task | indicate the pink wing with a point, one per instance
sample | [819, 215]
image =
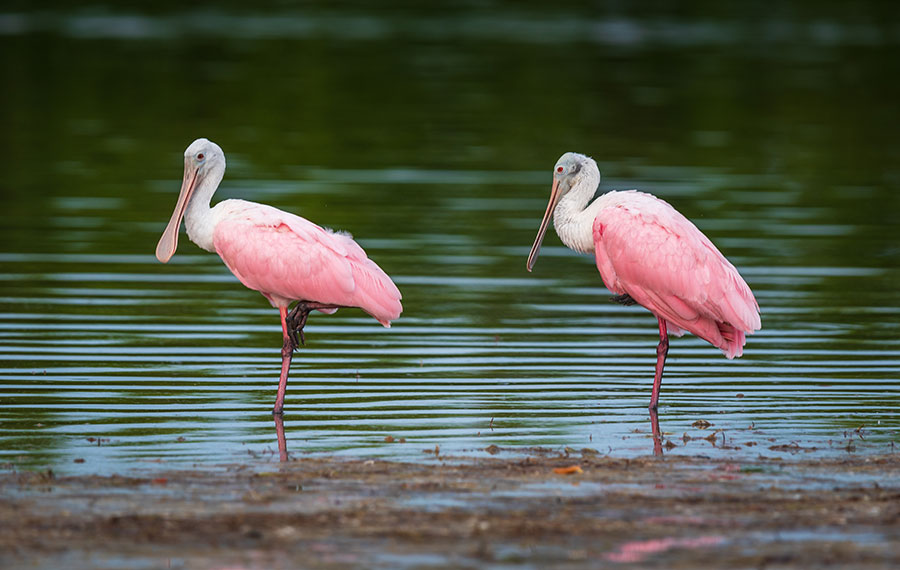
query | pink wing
[645, 248]
[288, 258]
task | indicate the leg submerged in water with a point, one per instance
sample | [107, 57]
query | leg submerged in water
[657, 435]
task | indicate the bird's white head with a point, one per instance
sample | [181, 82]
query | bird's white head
[203, 152]
[571, 170]
[204, 166]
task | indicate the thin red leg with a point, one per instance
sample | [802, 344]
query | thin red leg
[282, 440]
[662, 349]
[292, 329]
[657, 435]
[287, 352]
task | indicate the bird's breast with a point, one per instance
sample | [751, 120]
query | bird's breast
[201, 224]
[575, 228]
[200, 228]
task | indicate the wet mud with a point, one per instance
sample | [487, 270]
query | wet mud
[535, 509]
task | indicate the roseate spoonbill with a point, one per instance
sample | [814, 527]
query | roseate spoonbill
[283, 256]
[651, 255]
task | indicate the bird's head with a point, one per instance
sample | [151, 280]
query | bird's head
[202, 155]
[569, 171]
[204, 165]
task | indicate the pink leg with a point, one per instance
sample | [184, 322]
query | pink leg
[282, 440]
[662, 349]
[292, 329]
[287, 352]
[657, 435]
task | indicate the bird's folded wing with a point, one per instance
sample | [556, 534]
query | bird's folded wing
[665, 263]
[281, 254]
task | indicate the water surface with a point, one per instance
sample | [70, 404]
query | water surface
[430, 136]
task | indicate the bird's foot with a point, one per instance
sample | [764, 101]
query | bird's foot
[623, 299]
[296, 320]
[296, 339]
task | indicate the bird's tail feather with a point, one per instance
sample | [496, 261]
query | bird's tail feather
[733, 340]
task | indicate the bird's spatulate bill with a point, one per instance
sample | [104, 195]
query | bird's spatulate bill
[168, 243]
[536, 248]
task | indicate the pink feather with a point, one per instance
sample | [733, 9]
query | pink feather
[647, 249]
[286, 258]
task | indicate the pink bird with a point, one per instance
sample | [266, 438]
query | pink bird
[283, 256]
[649, 254]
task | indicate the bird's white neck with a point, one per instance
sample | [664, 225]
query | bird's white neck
[574, 215]
[199, 220]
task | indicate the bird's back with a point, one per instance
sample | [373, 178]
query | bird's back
[288, 258]
[646, 248]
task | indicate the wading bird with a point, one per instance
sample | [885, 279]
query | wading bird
[651, 255]
[283, 256]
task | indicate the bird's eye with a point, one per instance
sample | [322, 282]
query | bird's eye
[200, 156]
[559, 169]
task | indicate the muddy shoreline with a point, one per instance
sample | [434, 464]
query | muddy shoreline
[533, 511]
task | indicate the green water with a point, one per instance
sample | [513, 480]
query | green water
[430, 135]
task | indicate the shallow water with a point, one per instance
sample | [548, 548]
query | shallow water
[431, 139]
